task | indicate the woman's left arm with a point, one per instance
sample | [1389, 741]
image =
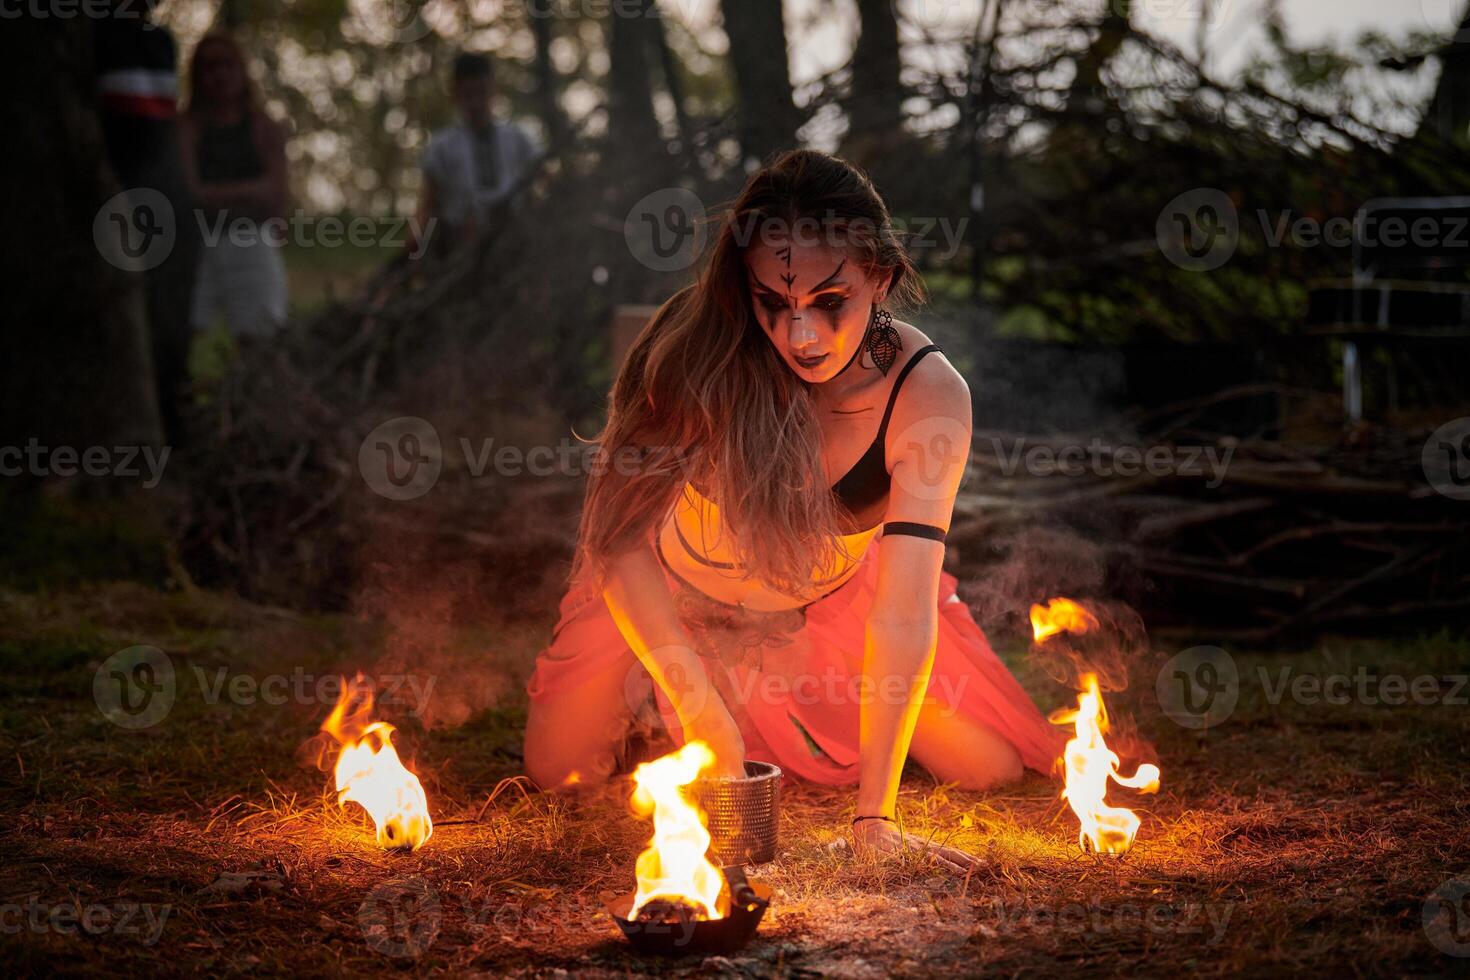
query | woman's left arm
[928, 445]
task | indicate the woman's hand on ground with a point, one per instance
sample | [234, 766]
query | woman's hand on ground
[884, 837]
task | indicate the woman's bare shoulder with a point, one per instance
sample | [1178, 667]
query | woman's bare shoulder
[934, 385]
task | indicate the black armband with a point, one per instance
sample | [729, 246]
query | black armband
[916, 530]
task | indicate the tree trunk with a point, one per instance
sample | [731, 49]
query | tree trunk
[1448, 115]
[77, 369]
[548, 91]
[1088, 92]
[875, 106]
[633, 127]
[669, 65]
[767, 117]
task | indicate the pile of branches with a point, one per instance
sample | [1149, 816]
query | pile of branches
[474, 343]
[1274, 536]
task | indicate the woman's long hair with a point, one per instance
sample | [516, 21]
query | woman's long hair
[704, 397]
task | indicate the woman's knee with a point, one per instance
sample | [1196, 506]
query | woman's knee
[556, 769]
[957, 749]
[572, 743]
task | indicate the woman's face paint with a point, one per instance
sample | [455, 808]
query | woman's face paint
[814, 302]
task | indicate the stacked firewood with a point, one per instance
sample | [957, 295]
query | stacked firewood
[1255, 538]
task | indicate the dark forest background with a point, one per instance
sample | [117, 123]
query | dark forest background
[1054, 133]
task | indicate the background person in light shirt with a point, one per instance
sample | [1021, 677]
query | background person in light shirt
[473, 169]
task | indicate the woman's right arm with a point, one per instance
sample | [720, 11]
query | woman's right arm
[637, 595]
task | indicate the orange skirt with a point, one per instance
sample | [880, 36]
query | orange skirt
[792, 679]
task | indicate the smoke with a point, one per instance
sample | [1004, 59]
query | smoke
[1033, 564]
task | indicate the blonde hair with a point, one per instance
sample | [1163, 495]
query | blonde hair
[704, 387]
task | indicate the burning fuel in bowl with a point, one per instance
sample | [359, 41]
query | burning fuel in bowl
[685, 904]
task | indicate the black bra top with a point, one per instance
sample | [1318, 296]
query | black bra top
[863, 490]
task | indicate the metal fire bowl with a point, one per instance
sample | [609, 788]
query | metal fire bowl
[711, 937]
[743, 814]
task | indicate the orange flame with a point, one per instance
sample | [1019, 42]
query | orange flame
[1058, 616]
[674, 866]
[370, 773]
[1089, 764]
[1087, 761]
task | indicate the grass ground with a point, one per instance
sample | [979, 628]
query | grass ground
[1296, 836]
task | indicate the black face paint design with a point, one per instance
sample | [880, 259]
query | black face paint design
[789, 279]
[831, 304]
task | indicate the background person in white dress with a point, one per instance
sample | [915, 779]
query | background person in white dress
[235, 161]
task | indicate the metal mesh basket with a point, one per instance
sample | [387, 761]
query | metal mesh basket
[743, 814]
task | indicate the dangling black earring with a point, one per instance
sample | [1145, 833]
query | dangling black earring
[883, 343]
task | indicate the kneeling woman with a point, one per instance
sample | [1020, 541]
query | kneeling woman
[761, 554]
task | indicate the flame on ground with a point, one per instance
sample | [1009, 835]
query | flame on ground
[1087, 761]
[674, 866]
[369, 772]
